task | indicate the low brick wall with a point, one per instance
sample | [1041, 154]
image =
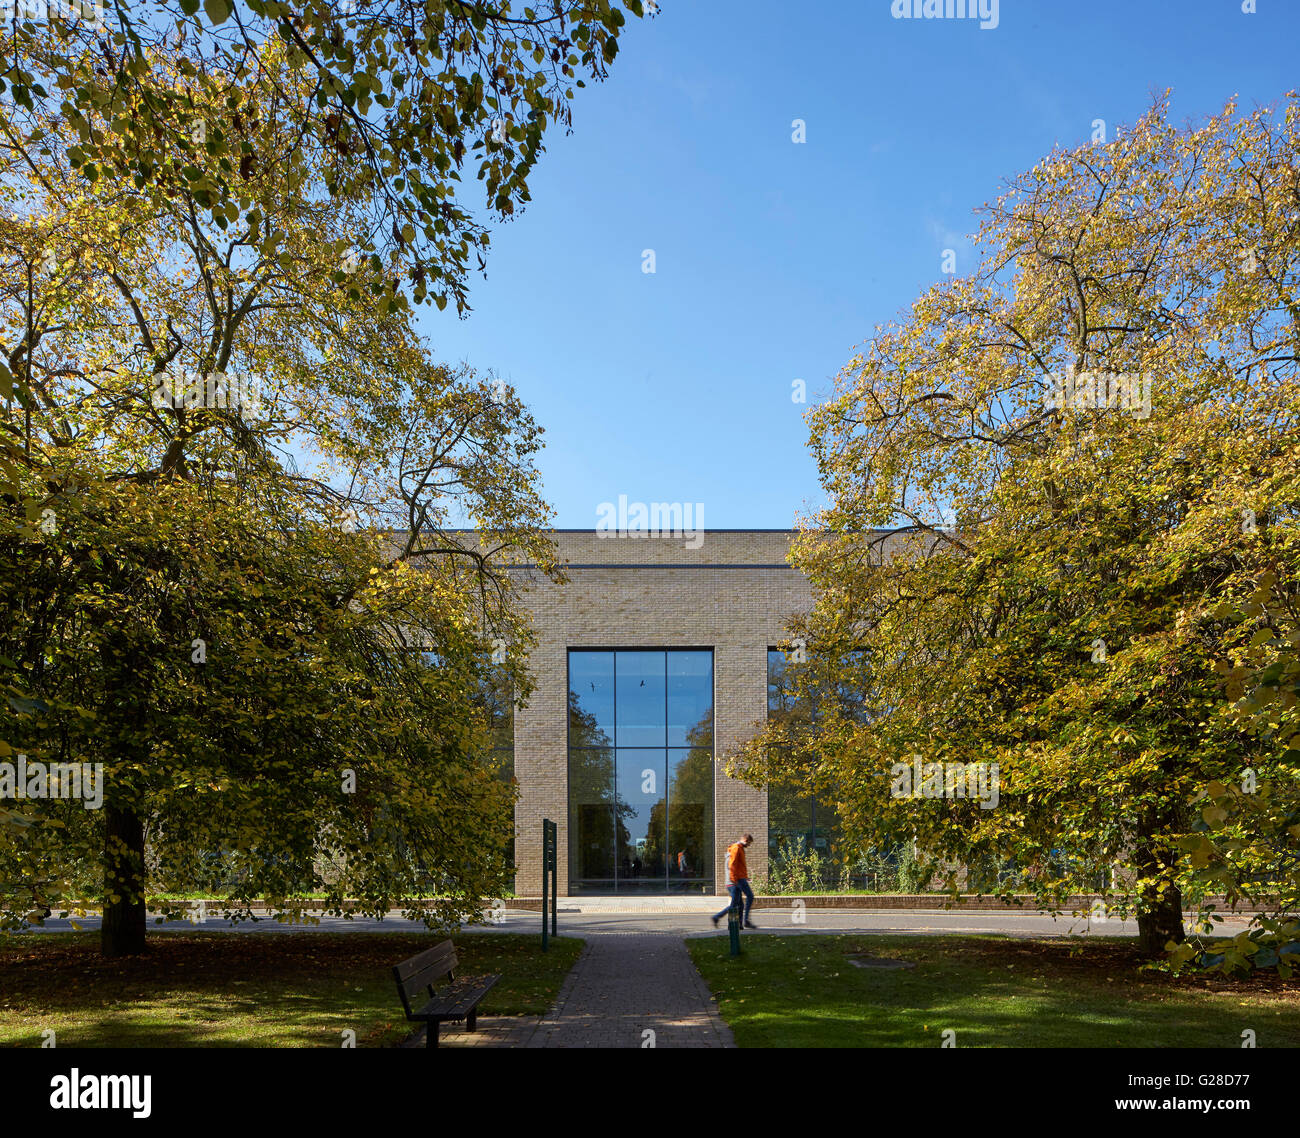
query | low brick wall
[968, 902]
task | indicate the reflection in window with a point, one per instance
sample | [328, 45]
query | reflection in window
[641, 770]
[795, 821]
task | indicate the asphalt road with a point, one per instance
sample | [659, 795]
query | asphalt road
[909, 922]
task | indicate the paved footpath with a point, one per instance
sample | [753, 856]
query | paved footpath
[633, 991]
[624, 991]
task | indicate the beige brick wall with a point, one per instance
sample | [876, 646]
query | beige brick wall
[733, 594]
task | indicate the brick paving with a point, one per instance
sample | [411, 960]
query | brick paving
[625, 990]
[624, 987]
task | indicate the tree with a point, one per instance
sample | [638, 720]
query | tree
[1246, 841]
[387, 101]
[1050, 605]
[683, 815]
[226, 631]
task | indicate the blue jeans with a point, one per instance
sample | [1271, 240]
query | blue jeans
[736, 890]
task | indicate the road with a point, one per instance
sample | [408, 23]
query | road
[696, 923]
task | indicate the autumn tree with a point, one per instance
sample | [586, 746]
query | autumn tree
[399, 99]
[1044, 485]
[237, 480]
[1245, 839]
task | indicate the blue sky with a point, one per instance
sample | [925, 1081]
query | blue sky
[775, 260]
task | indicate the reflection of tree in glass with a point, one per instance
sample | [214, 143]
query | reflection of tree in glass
[798, 699]
[496, 697]
[591, 790]
[584, 730]
[798, 695]
[690, 792]
[791, 693]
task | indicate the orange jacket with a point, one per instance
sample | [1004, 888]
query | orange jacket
[736, 868]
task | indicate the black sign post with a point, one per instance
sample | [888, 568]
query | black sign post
[550, 873]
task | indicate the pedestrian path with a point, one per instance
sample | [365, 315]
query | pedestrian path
[624, 991]
[633, 992]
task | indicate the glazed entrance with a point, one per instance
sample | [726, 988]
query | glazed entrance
[641, 770]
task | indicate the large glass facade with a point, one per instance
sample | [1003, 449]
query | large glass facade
[641, 771]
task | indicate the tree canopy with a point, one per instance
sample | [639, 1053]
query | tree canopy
[1062, 501]
[236, 480]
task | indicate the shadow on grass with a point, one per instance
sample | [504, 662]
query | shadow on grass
[805, 992]
[234, 990]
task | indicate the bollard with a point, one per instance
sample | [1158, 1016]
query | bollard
[733, 928]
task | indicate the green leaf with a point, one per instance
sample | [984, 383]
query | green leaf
[217, 11]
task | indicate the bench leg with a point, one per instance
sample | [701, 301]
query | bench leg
[431, 1036]
[471, 1019]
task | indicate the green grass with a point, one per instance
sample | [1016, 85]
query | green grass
[803, 991]
[221, 989]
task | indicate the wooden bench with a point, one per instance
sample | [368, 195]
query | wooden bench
[425, 997]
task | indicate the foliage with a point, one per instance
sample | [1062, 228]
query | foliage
[911, 875]
[800, 868]
[1245, 843]
[796, 868]
[1053, 601]
[386, 102]
[222, 600]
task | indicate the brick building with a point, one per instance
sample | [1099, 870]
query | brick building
[651, 662]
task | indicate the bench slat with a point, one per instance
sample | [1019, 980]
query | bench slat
[422, 981]
[440, 955]
[458, 1002]
[418, 977]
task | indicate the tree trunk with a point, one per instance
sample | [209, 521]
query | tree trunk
[1160, 920]
[122, 933]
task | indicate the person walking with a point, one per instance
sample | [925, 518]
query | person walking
[738, 881]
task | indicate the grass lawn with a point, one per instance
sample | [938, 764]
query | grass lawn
[222, 989]
[804, 991]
